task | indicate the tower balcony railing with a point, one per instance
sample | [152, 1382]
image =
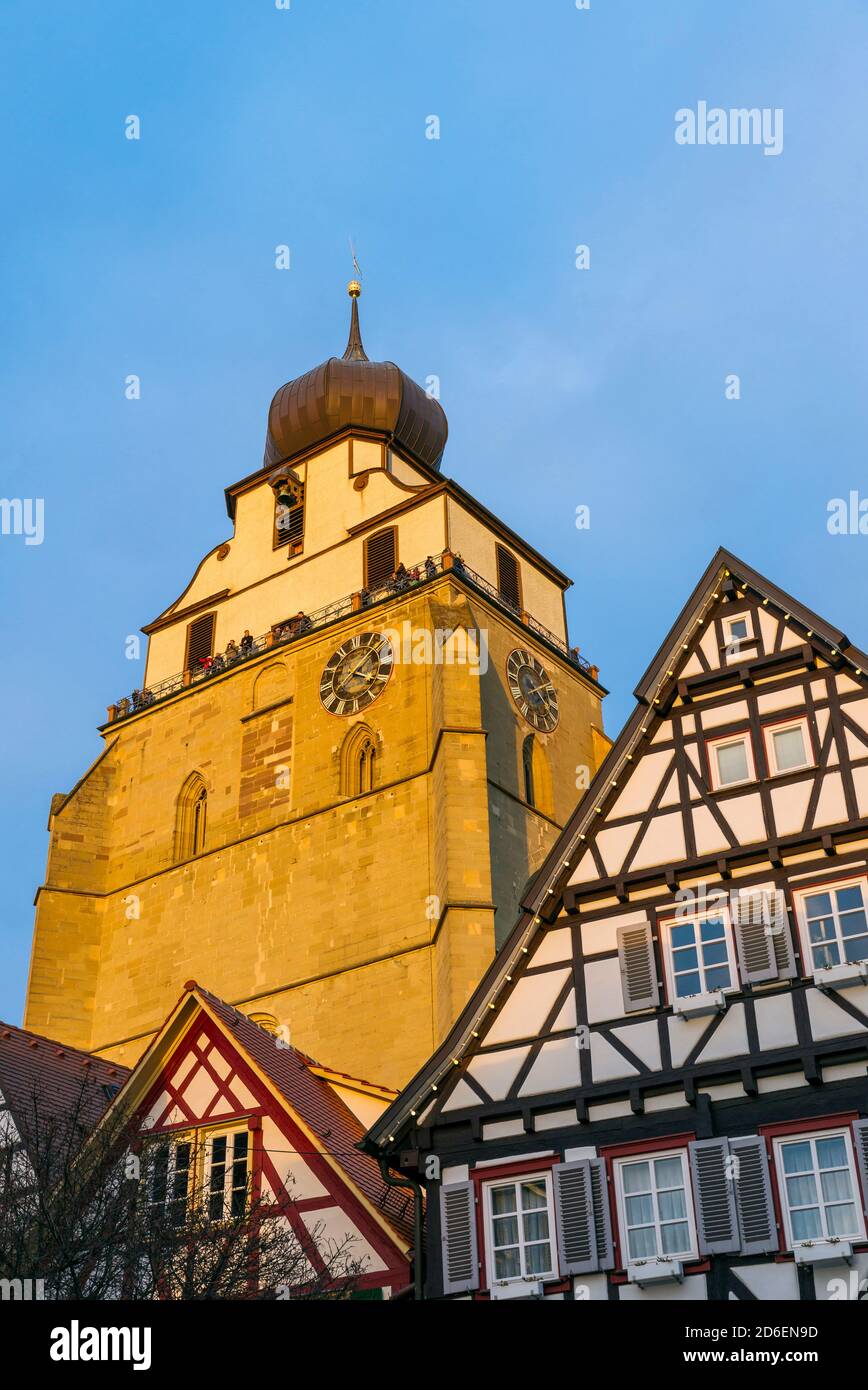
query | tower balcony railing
[404, 580]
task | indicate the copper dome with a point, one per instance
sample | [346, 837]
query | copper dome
[353, 391]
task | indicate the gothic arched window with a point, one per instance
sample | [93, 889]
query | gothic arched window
[359, 761]
[191, 818]
[536, 776]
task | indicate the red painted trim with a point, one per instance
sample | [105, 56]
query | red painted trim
[798, 890]
[731, 737]
[807, 1127]
[482, 1177]
[611, 1152]
[782, 723]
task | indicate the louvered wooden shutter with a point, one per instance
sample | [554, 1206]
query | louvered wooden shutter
[602, 1214]
[753, 938]
[379, 558]
[714, 1193]
[753, 1196]
[782, 936]
[458, 1238]
[507, 577]
[574, 1217]
[860, 1144]
[638, 967]
[200, 640]
[290, 521]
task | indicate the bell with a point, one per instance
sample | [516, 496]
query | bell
[284, 498]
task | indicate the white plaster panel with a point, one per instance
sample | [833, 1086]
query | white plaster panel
[730, 1039]
[294, 1173]
[790, 1081]
[860, 782]
[503, 1129]
[609, 1110]
[831, 808]
[671, 796]
[527, 1007]
[607, 1064]
[708, 834]
[556, 945]
[827, 1020]
[644, 781]
[790, 806]
[603, 934]
[555, 1069]
[603, 990]
[710, 649]
[644, 1040]
[768, 628]
[788, 698]
[613, 845]
[495, 1072]
[330, 1227]
[857, 710]
[770, 1281]
[724, 714]
[662, 843]
[567, 1016]
[775, 1020]
[745, 815]
[555, 1119]
[585, 870]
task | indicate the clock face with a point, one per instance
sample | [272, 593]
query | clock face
[356, 673]
[532, 690]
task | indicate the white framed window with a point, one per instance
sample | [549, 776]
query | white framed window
[699, 954]
[834, 923]
[788, 746]
[819, 1187]
[655, 1207]
[737, 630]
[226, 1173]
[519, 1228]
[171, 1172]
[731, 761]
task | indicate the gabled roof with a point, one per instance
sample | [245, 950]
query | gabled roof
[545, 892]
[44, 1078]
[292, 1076]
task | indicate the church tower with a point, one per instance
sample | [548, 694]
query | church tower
[360, 729]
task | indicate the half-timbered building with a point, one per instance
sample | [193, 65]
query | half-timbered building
[659, 1088]
[244, 1118]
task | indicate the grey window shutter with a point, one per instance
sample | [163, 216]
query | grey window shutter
[574, 1217]
[753, 1196]
[714, 1195]
[638, 968]
[458, 1238]
[753, 938]
[860, 1144]
[782, 936]
[602, 1214]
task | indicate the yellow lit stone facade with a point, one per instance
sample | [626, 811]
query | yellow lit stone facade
[360, 920]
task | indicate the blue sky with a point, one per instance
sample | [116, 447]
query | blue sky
[563, 387]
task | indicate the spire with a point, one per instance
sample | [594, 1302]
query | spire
[354, 351]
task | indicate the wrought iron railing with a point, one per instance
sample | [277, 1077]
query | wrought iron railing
[402, 582]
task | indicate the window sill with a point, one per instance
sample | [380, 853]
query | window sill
[824, 1252]
[700, 1005]
[842, 976]
[517, 1288]
[659, 1271]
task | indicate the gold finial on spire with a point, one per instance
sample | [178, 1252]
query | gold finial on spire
[354, 289]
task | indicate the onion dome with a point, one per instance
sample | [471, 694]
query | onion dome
[353, 392]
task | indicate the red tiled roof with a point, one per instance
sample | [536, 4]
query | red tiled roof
[321, 1110]
[46, 1081]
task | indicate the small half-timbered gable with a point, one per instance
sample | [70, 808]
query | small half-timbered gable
[659, 1088]
[247, 1115]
